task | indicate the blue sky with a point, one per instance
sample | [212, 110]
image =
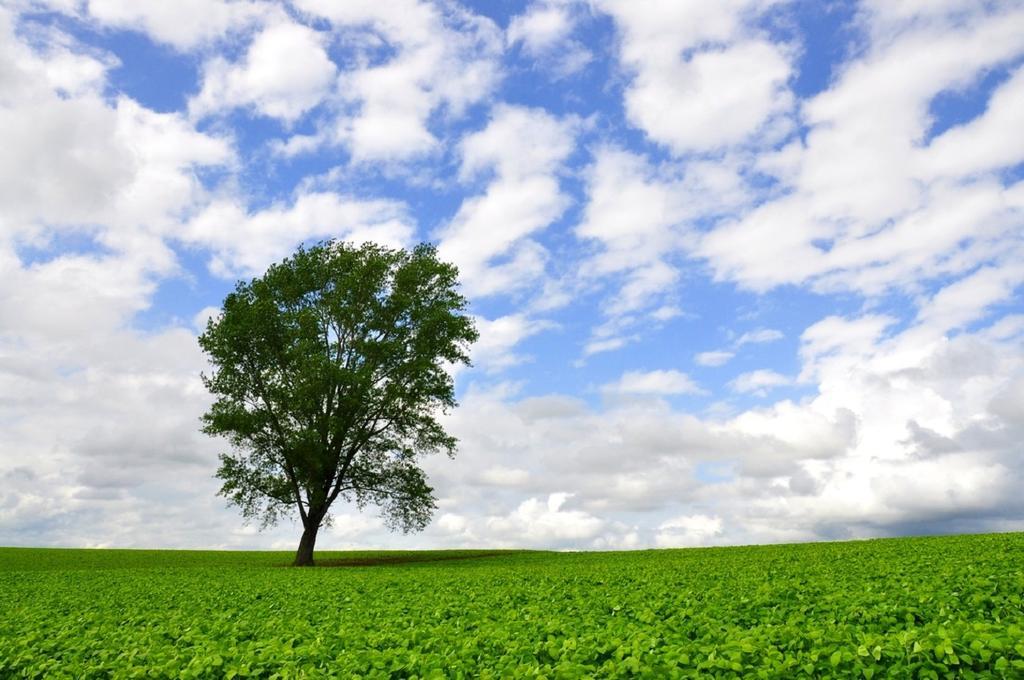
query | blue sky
[746, 271]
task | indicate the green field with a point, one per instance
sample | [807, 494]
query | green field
[917, 607]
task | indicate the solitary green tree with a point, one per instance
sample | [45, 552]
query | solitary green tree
[329, 374]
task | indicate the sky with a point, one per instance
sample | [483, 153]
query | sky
[746, 271]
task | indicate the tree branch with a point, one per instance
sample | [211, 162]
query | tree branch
[382, 492]
[353, 450]
[283, 441]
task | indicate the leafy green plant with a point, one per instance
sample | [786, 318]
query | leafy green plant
[924, 607]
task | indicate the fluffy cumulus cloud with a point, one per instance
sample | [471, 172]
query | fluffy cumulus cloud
[856, 224]
[915, 432]
[759, 381]
[719, 357]
[93, 187]
[541, 27]
[438, 58]
[714, 357]
[653, 382]
[246, 242]
[759, 335]
[490, 238]
[76, 158]
[499, 337]
[687, 531]
[731, 287]
[186, 25]
[544, 32]
[641, 216]
[703, 75]
[284, 73]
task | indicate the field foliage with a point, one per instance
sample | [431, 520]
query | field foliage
[922, 607]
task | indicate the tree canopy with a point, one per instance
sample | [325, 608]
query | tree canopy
[330, 372]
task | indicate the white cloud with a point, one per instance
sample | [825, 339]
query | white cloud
[541, 27]
[636, 456]
[643, 287]
[967, 299]
[659, 382]
[105, 169]
[489, 237]
[535, 521]
[105, 418]
[896, 475]
[985, 143]
[505, 476]
[444, 60]
[77, 160]
[891, 16]
[184, 24]
[722, 356]
[285, 72]
[758, 336]
[245, 243]
[759, 381]
[831, 466]
[166, 151]
[837, 465]
[493, 352]
[105, 422]
[1006, 328]
[688, 531]
[452, 523]
[544, 30]
[911, 419]
[642, 216]
[72, 295]
[714, 99]
[836, 338]
[666, 312]
[702, 78]
[60, 160]
[713, 358]
[599, 345]
[857, 224]
[204, 316]
[635, 213]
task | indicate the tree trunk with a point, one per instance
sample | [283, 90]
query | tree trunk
[304, 555]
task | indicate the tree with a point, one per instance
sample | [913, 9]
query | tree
[329, 373]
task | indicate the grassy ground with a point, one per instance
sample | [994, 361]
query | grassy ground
[921, 607]
[61, 559]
